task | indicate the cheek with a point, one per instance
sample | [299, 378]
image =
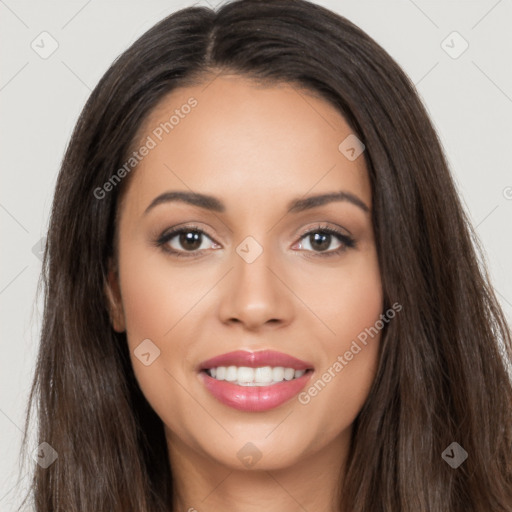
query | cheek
[150, 311]
[344, 299]
[147, 290]
[359, 299]
[358, 339]
[352, 308]
[159, 305]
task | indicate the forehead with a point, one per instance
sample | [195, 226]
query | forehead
[239, 140]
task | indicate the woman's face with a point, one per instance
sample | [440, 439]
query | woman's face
[245, 275]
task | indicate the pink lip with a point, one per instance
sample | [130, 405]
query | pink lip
[255, 360]
[254, 399]
[257, 398]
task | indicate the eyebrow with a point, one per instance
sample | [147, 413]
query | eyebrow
[296, 205]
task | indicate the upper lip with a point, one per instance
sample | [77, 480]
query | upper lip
[255, 360]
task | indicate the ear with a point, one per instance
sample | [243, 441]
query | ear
[113, 296]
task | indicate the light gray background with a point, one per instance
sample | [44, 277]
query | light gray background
[469, 99]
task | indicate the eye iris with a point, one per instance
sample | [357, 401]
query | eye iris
[322, 241]
[190, 240]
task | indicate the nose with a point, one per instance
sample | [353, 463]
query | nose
[255, 294]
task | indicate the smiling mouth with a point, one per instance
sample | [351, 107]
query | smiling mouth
[259, 376]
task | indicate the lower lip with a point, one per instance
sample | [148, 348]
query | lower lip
[254, 398]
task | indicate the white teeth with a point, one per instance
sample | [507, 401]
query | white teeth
[278, 374]
[231, 373]
[245, 374]
[261, 376]
[289, 373]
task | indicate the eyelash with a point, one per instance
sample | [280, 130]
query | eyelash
[347, 241]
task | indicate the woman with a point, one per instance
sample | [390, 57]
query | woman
[261, 288]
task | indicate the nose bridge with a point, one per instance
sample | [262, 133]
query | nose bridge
[254, 295]
[252, 263]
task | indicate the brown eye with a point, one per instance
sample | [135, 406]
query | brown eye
[320, 240]
[191, 240]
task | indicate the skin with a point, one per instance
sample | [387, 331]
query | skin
[255, 148]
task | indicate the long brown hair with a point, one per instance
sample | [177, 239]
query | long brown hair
[442, 374]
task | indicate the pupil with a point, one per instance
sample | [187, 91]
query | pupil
[190, 240]
[322, 241]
